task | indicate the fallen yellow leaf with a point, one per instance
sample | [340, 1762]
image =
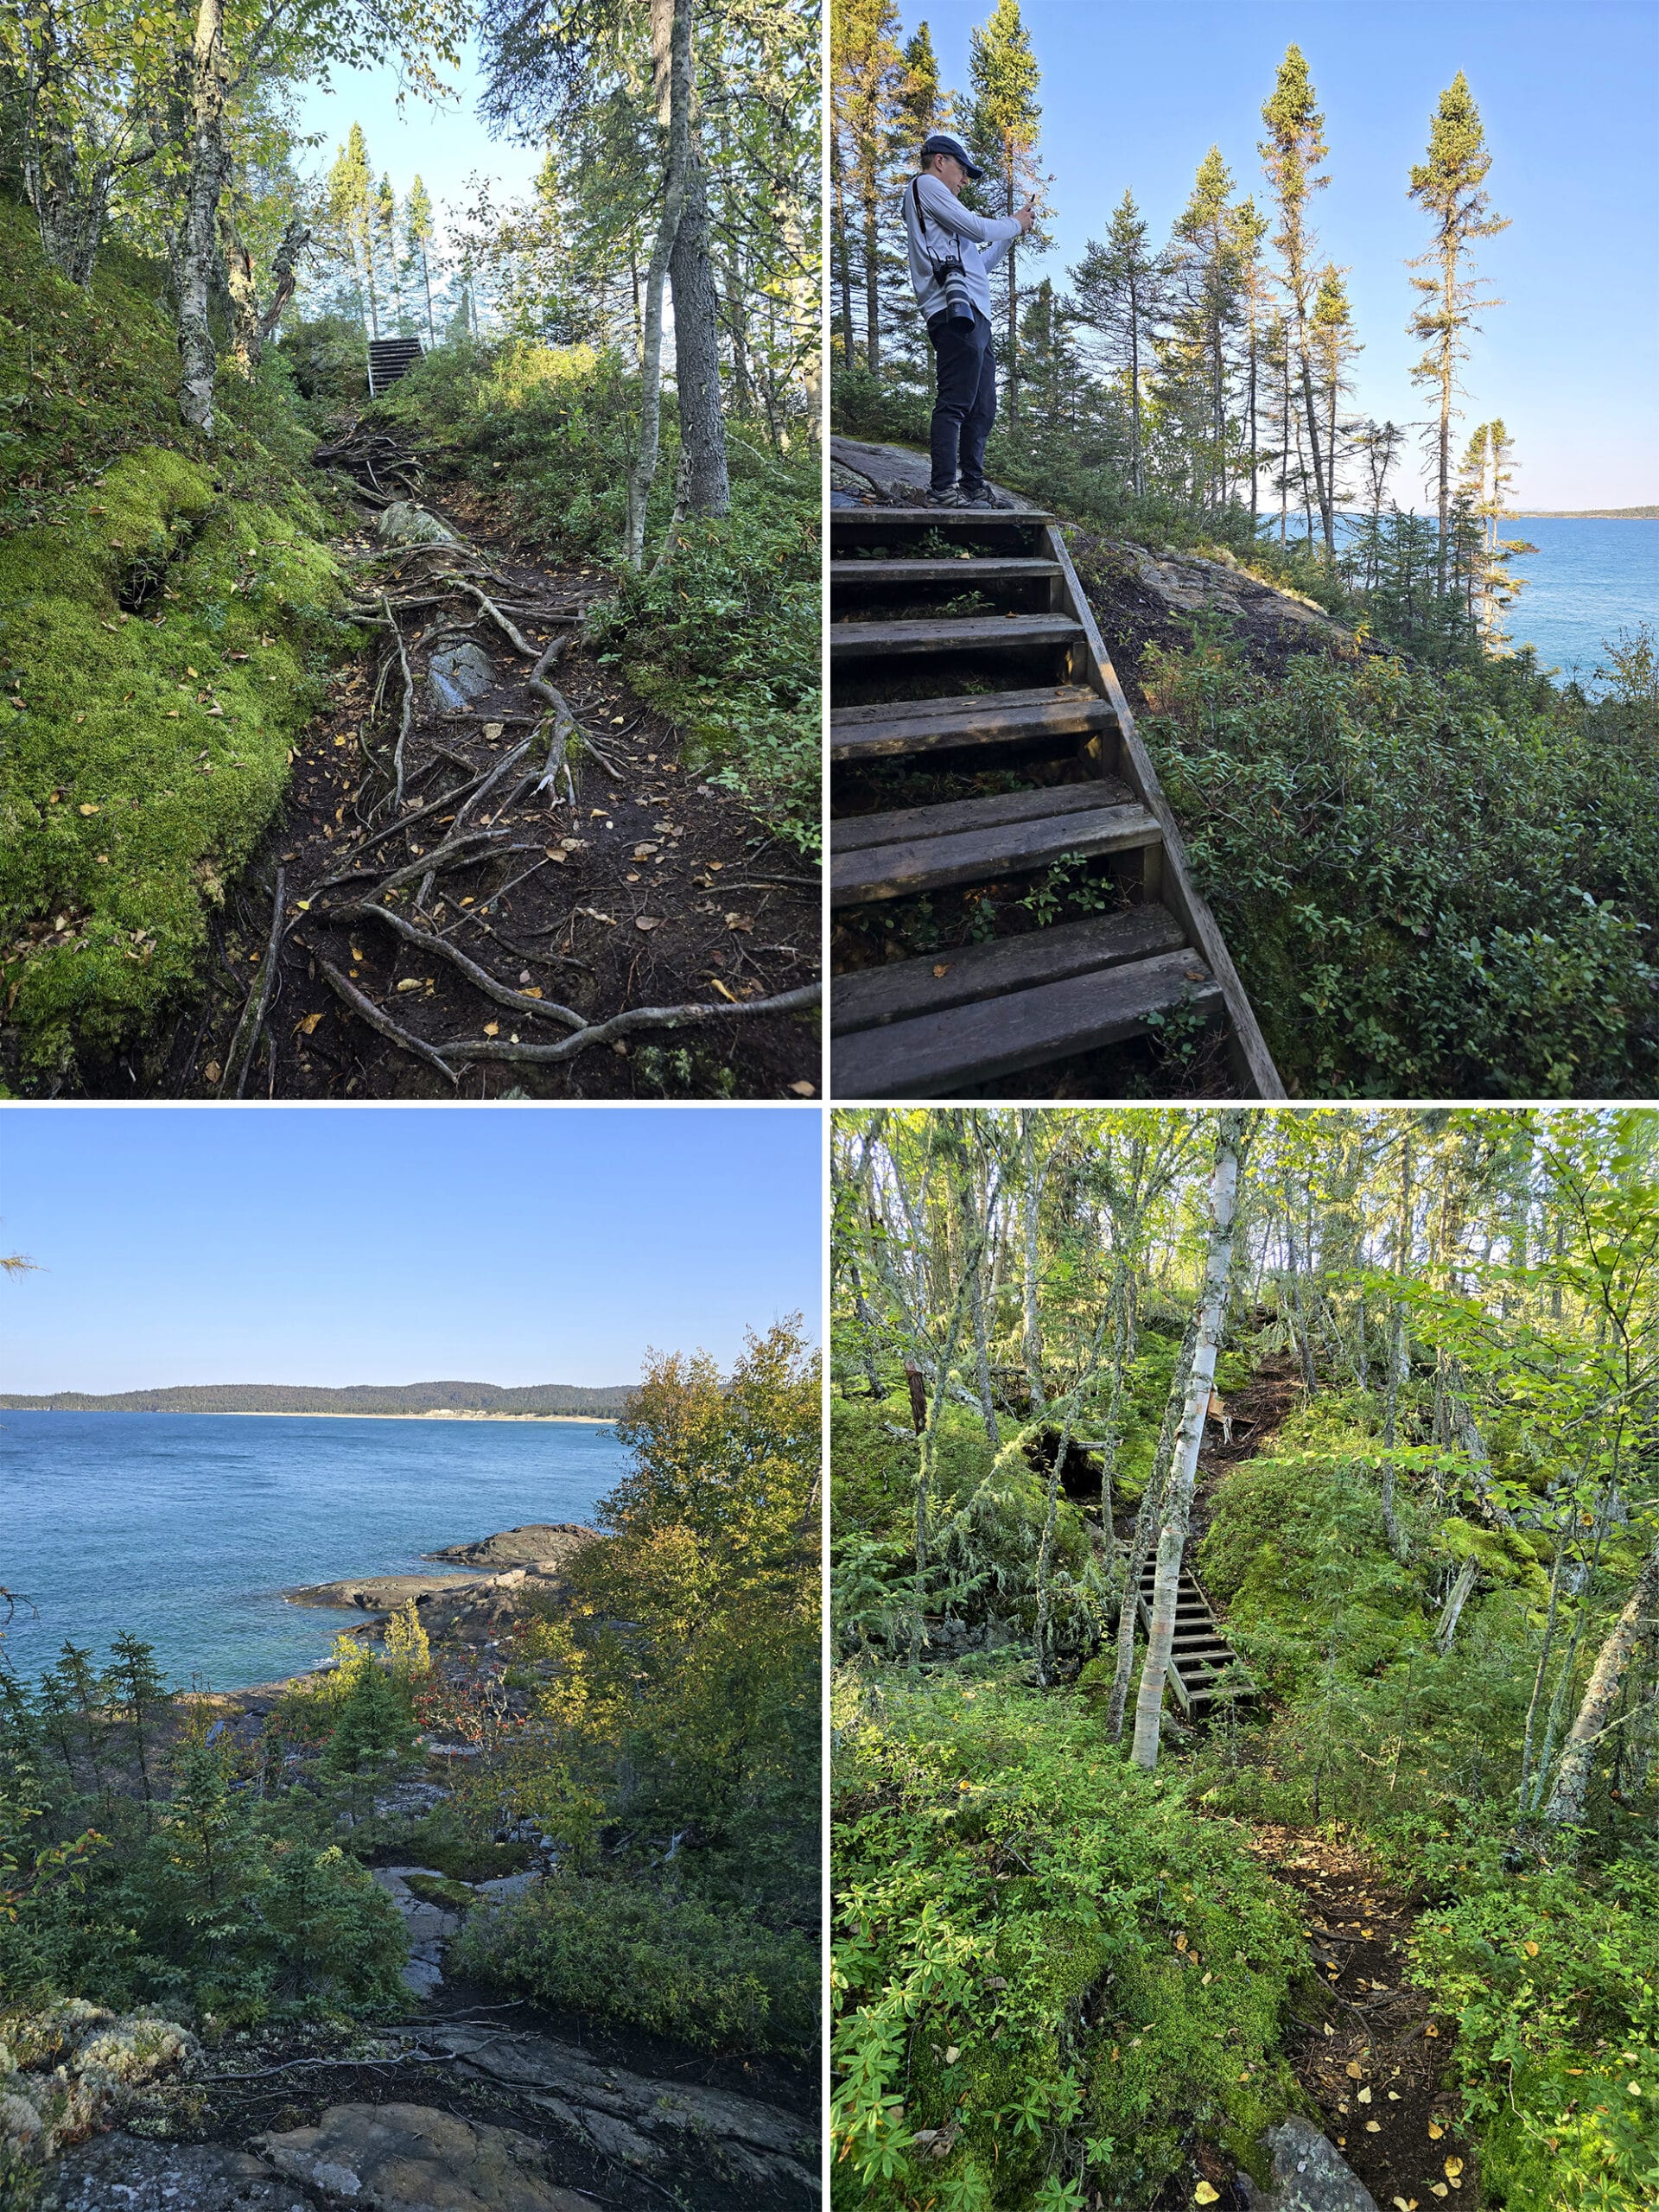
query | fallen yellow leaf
[1531, 1950]
[1356, 2072]
[801, 1090]
[309, 1023]
[1204, 2195]
[492, 1029]
[1434, 2131]
[1453, 2168]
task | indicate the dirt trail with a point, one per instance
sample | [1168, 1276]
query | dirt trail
[653, 888]
[1375, 2065]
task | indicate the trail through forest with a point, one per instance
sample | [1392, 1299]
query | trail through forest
[629, 932]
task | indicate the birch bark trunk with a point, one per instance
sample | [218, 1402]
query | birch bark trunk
[1172, 1539]
[673, 18]
[196, 241]
[1565, 1806]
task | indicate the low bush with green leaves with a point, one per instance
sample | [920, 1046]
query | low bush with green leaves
[1553, 1978]
[1048, 1970]
[651, 1957]
[1434, 885]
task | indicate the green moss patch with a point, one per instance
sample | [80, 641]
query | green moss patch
[165, 620]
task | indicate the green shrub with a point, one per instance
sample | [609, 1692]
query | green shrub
[1048, 1969]
[652, 1958]
[1426, 893]
[1553, 1983]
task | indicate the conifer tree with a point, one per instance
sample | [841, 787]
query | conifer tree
[136, 1687]
[417, 234]
[866, 69]
[1292, 153]
[348, 210]
[1121, 292]
[1248, 229]
[386, 234]
[1447, 185]
[1004, 75]
[1205, 249]
[1334, 345]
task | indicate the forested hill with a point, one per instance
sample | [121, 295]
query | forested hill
[356, 1398]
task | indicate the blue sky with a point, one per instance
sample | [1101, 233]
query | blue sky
[1135, 96]
[398, 1245]
[444, 145]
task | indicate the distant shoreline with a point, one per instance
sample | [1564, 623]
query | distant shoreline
[275, 1413]
[1581, 514]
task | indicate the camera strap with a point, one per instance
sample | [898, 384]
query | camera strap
[939, 266]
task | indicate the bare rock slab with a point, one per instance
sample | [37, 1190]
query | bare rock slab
[122, 2173]
[404, 522]
[1308, 2175]
[548, 1545]
[379, 1593]
[644, 2122]
[414, 2159]
[457, 676]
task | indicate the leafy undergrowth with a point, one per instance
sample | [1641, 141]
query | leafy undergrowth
[1553, 1978]
[165, 619]
[1431, 889]
[1049, 1972]
[671, 1964]
[723, 635]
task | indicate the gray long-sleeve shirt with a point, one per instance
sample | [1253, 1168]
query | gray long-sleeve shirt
[952, 230]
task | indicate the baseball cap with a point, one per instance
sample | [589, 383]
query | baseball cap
[946, 141]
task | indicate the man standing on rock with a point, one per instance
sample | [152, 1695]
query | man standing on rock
[952, 252]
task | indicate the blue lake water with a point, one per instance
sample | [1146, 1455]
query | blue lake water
[185, 1528]
[1586, 582]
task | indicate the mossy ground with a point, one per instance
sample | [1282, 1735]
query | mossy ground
[166, 619]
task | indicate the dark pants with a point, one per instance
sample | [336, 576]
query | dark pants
[966, 406]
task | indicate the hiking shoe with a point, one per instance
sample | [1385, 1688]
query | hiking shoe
[985, 497]
[951, 499]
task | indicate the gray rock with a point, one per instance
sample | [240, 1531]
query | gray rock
[122, 2173]
[644, 2122]
[404, 524]
[414, 2159]
[896, 475]
[507, 1885]
[546, 1545]
[429, 1927]
[457, 676]
[379, 1593]
[1308, 2175]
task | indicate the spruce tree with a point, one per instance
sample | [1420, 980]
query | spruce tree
[136, 1687]
[1334, 345]
[1121, 291]
[1205, 249]
[350, 186]
[1004, 75]
[1248, 229]
[1447, 185]
[386, 232]
[417, 233]
[1292, 153]
[866, 77]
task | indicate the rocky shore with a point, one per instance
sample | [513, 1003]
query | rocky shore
[135, 2112]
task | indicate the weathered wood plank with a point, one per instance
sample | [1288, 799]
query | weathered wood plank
[938, 1054]
[977, 856]
[966, 634]
[972, 572]
[905, 825]
[876, 995]
[905, 734]
[967, 702]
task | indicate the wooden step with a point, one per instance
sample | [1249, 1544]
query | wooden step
[855, 833]
[936, 1053]
[973, 572]
[924, 517]
[877, 995]
[901, 871]
[913, 726]
[969, 634]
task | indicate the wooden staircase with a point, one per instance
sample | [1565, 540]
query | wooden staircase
[1028, 688]
[1204, 1670]
[390, 358]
